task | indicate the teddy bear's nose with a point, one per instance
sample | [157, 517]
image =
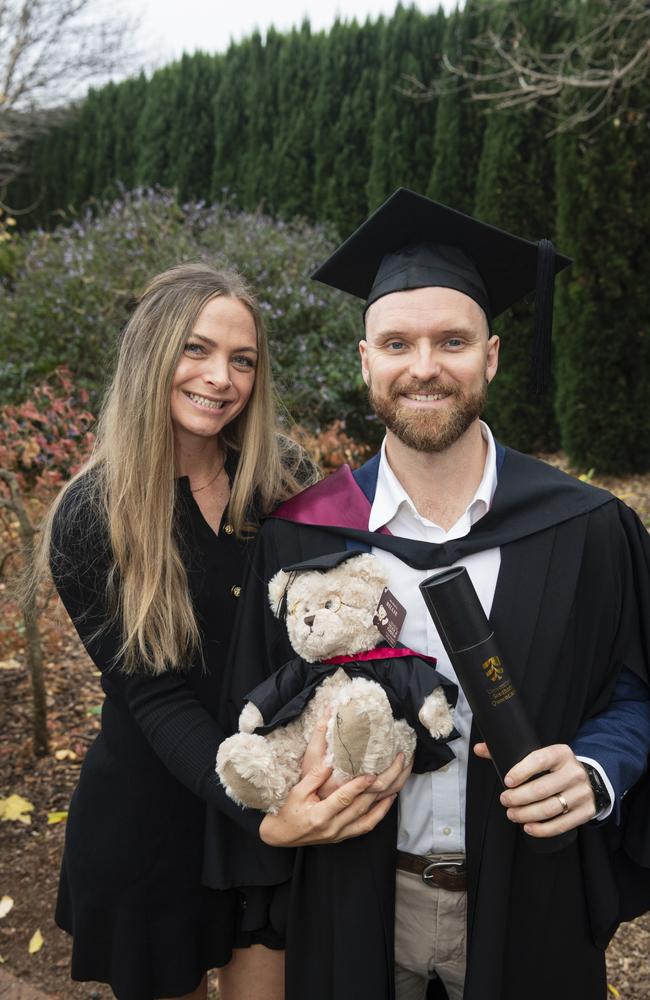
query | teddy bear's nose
[309, 620]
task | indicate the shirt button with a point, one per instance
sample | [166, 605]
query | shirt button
[228, 528]
[446, 830]
[235, 591]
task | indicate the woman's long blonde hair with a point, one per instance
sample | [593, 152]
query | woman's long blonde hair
[132, 489]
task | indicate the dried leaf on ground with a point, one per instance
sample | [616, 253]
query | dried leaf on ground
[57, 817]
[16, 808]
[36, 942]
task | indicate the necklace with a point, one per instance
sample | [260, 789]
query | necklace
[211, 481]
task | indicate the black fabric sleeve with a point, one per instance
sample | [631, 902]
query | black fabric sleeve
[179, 729]
[260, 643]
[634, 629]
[278, 690]
[259, 646]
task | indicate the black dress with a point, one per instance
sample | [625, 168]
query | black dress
[130, 889]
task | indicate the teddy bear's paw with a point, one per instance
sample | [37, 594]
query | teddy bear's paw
[250, 718]
[348, 734]
[405, 740]
[360, 736]
[436, 715]
[248, 770]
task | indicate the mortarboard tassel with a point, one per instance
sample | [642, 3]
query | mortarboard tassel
[543, 314]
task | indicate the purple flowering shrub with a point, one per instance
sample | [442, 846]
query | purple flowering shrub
[72, 289]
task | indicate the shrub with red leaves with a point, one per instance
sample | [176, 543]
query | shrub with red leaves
[333, 447]
[45, 439]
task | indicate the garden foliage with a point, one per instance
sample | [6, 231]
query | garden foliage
[73, 288]
[45, 439]
[321, 127]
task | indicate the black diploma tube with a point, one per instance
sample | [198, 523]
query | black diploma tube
[471, 646]
[469, 640]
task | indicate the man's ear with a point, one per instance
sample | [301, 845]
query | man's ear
[277, 592]
[363, 352]
[492, 361]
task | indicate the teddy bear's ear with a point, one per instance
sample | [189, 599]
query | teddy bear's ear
[370, 569]
[277, 591]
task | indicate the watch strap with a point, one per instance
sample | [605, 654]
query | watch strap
[598, 787]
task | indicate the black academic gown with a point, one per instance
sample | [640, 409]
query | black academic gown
[570, 609]
[406, 679]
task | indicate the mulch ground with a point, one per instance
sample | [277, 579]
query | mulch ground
[30, 852]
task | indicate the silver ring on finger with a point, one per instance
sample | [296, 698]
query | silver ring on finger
[563, 802]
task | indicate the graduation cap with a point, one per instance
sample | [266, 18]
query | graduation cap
[413, 242]
[320, 564]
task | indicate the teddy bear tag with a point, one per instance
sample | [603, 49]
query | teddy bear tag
[389, 617]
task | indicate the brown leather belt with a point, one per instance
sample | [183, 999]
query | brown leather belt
[447, 871]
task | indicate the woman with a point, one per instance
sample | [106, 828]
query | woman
[146, 548]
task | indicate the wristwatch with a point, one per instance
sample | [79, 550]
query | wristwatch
[601, 795]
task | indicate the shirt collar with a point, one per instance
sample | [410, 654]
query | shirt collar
[390, 493]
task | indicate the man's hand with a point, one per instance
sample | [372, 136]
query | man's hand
[350, 810]
[552, 802]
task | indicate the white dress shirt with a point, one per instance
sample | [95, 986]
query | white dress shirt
[432, 805]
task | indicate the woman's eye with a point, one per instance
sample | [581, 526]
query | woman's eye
[193, 348]
[243, 362]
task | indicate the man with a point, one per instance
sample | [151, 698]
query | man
[563, 572]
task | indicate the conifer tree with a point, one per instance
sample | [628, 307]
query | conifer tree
[348, 77]
[48, 183]
[603, 333]
[259, 94]
[192, 137]
[82, 168]
[459, 123]
[104, 162]
[402, 139]
[231, 116]
[153, 134]
[128, 108]
[291, 166]
[516, 192]
[345, 196]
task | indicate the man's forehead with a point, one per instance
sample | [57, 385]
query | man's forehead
[424, 309]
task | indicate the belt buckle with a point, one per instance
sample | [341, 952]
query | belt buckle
[453, 861]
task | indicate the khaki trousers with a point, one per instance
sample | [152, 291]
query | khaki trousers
[430, 935]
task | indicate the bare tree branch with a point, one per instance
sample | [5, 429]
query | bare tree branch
[33, 645]
[50, 51]
[587, 81]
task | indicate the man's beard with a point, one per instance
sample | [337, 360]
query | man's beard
[425, 429]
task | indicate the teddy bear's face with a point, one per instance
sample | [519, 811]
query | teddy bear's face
[330, 614]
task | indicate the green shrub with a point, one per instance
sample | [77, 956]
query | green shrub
[73, 289]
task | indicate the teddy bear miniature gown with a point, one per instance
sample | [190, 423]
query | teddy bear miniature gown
[130, 889]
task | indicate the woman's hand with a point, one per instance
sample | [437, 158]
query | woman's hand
[315, 753]
[350, 810]
[398, 784]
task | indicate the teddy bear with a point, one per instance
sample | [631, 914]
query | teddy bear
[380, 700]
